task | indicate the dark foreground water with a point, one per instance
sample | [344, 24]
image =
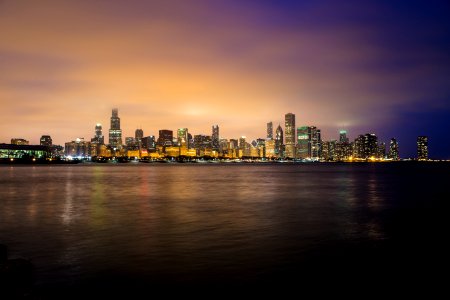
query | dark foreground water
[140, 228]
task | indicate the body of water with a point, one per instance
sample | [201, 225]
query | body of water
[147, 227]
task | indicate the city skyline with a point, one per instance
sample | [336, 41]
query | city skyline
[380, 67]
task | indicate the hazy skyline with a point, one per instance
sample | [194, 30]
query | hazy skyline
[364, 66]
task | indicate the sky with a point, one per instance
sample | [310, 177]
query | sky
[378, 67]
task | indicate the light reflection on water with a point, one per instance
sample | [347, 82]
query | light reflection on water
[239, 223]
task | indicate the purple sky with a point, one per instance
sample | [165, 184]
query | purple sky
[364, 66]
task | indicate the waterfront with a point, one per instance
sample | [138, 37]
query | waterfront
[131, 227]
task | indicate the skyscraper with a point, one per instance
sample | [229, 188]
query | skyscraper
[215, 137]
[98, 138]
[289, 129]
[303, 137]
[165, 137]
[182, 137]
[279, 147]
[422, 147]
[270, 131]
[343, 136]
[138, 135]
[393, 150]
[46, 140]
[115, 133]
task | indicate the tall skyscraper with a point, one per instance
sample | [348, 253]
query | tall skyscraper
[422, 147]
[46, 140]
[115, 133]
[98, 139]
[215, 137]
[279, 147]
[343, 136]
[138, 135]
[393, 150]
[303, 139]
[270, 131]
[289, 129]
[182, 137]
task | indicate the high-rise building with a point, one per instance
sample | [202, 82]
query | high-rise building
[343, 136]
[270, 131]
[138, 135]
[149, 143]
[182, 137]
[165, 137]
[393, 150]
[422, 147]
[46, 140]
[242, 142]
[303, 142]
[382, 150]
[215, 137]
[289, 129]
[99, 134]
[279, 146]
[16, 141]
[78, 148]
[366, 146]
[115, 133]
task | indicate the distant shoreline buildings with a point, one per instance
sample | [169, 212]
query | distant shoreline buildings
[301, 143]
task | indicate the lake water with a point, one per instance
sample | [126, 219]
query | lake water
[128, 228]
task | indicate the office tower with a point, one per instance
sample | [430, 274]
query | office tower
[165, 137]
[270, 148]
[78, 148]
[314, 143]
[46, 140]
[289, 129]
[270, 131]
[370, 145]
[303, 140]
[138, 135]
[343, 136]
[422, 147]
[115, 133]
[202, 141]
[242, 142]
[99, 138]
[382, 150]
[215, 137]
[393, 150]
[329, 150]
[182, 137]
[148, 142]
[279, 147]
[234, 144]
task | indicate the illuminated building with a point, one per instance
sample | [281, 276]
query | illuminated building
[279, 146]
[115, 133]
[138, 135]
[234, 144]
[242, 142]
[165, 138]
[393, 149]
[78, 148]
[366, 146]
[270, 148]
[202, 141]
[46, 140]
[16, 141]
[382, 150]
[270, 131]
[215, 137]
[315, 143]
[422, 147]
[343, 136]
[98, 138]
[289, 129]
[182, 137]
[10, 152]
[149, 143]
[303, 142]
[329, 150]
